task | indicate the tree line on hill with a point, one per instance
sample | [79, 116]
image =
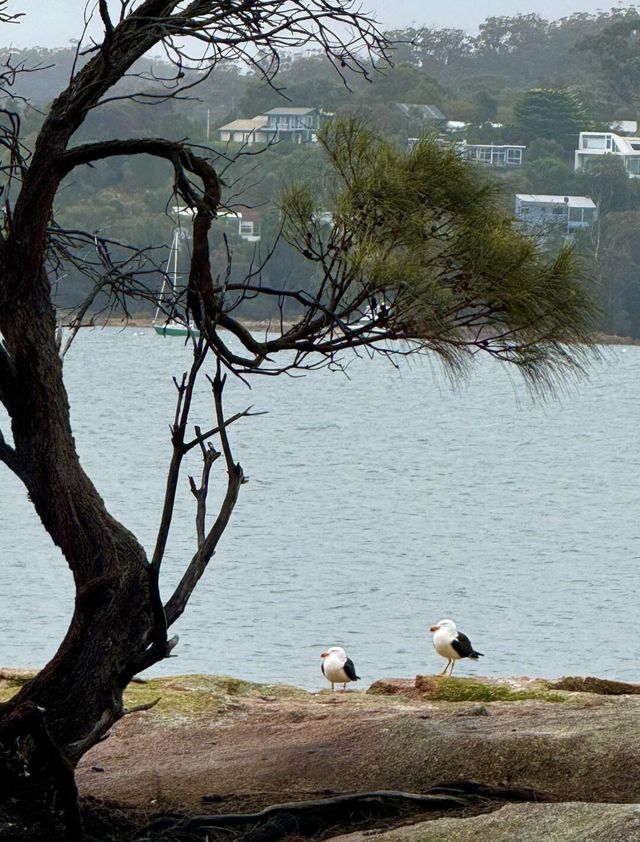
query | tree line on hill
[521, 80]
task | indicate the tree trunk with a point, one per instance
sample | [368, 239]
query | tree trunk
[80, 690]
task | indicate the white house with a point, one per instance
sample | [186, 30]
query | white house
[298, 125]
[248, 223]
[568, 212]
[592, 145]
[245, 130]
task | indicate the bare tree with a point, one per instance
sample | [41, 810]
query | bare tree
[415, 257]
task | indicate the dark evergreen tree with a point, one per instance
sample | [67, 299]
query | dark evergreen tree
[552, 114]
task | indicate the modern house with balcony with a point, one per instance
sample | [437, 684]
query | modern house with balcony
[494, 155]
[505, 156]
[569, 213]
[593, 145]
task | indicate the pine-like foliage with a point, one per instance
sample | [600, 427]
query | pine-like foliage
[421, 239]
[550, 113]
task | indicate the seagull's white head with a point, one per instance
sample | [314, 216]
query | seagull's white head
[445, 624]
[335, 650]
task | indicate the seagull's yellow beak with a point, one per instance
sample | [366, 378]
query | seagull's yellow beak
[435, 628]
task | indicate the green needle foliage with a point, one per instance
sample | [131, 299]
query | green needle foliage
[420, 240]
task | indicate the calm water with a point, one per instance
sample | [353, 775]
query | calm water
[376, 505]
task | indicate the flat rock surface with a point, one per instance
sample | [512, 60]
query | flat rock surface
[253, 745]
[570, 822]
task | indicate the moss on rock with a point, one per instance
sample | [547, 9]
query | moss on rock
[12, 680]
[180, 694]
[195, 694]
[447, 689]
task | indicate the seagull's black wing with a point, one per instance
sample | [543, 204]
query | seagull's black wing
[322, 667]
[350, 670]
[463, 647]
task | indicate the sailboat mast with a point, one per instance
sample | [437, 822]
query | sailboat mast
[170, 274]
[172, 324]
[175, 247]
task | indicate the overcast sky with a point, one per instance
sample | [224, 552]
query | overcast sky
[52, 23]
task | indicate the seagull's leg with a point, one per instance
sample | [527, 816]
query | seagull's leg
[344, 686]
[446, 668]
[451, 670]
[333, 689]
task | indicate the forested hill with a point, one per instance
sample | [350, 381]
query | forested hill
[473, 77]
[519, 80]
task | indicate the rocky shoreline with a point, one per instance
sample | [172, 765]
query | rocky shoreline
[242, 747]
[145, 321]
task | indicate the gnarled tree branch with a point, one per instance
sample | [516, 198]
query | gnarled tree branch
[209, 541]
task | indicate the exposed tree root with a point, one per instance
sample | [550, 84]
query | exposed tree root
[317, 818]
[501, 793]
[308, 818]
[342, 813]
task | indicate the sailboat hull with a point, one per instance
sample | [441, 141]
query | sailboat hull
[175, 329]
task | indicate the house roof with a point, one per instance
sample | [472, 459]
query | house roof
[570, 201]
[178, 210]
[464, 145]
[627, 126]
[291, 110]
[427, 112]
[245, 124]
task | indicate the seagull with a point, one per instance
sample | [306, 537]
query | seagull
[452, 644]
[337, 668]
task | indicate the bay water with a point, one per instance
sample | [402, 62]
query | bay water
[379, 501]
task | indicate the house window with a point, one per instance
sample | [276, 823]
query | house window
[514, 156]
[598, 141]
[633, 166]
